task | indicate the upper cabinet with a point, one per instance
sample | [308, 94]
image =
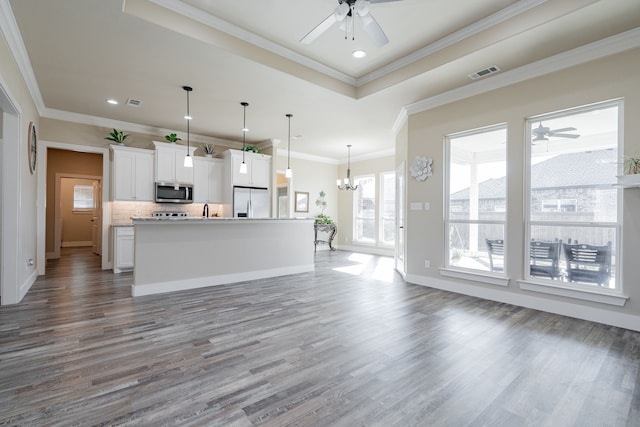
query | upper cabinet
[132, 174]
[258, 169]
[207, 180]
[170, 163]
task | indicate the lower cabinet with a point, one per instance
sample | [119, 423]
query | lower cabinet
[123, 238]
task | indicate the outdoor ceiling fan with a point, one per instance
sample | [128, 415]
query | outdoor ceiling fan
[543, 133]
[345, 13]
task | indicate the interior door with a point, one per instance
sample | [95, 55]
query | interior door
[400, 210]
[96, 219]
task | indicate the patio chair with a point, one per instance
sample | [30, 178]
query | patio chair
[495, 249]
[544, 259]
[588, 263]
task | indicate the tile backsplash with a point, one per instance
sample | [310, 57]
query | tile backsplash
[121, 212]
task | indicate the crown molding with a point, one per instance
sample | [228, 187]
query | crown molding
[451, 39]
[85, 119]
[590, 52]
[12, 35]
[311, 157]
[198, 15]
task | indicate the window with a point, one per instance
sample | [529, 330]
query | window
[82, 198]
[572, 206]
[364, 201]
[476, 199]
[387, 208]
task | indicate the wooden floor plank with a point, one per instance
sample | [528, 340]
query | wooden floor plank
[349, 344]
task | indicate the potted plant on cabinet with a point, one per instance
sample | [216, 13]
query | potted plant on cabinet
[208, 150]
[631, 178]
[117, 136]
[172, 138]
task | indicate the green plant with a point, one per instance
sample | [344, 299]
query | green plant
[117, 136]
[172, 137]
[632, 165]
[323, 219]
[208, 148]
[253, 148]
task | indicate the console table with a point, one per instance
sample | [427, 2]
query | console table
[324, 228]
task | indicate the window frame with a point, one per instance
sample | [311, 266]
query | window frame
[82, 188]
[354, 238]
[576, 290]
[381, 215]
[492, 277]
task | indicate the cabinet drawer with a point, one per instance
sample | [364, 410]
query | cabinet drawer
[124, 231]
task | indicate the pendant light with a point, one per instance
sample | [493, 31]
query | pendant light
[347, 181]
[188, 161]
[288, 173]
[243, 166]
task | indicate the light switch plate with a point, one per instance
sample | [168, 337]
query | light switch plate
[415, 206]
[427, 206]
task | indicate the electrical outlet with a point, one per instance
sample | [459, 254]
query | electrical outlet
[138, 213]
[427, 263]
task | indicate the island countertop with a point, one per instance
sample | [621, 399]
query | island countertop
[199, 219]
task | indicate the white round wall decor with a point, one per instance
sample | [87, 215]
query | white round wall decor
[421, 168]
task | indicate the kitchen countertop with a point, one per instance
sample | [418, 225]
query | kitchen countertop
[199, 219]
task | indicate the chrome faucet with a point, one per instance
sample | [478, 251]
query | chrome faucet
[205, 210]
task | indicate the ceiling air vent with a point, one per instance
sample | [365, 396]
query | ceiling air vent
[134, 102]
[486, 71]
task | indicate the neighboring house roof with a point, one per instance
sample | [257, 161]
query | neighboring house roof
[586, 169]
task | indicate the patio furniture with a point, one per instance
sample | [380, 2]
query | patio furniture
[588, 263]
[495, 249]
[544, 259]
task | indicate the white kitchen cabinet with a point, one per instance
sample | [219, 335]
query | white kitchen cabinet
[123, 238]
[258, 169]
[170, 163]
[132, 174]
[207, 180]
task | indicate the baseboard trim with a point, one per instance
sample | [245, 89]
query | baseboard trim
[578, 311]
[374, 250]
[76, 244]
[26, 285]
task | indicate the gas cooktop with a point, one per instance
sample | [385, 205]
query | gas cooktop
[169, 214]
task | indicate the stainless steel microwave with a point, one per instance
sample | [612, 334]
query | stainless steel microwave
[174, 193]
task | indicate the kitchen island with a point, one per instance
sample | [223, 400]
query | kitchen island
[173, 254]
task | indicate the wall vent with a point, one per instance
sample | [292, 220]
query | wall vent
[134, 102]
[489, 70]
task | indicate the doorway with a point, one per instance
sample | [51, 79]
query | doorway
[400, 233]
[78, 213]
[283, 199]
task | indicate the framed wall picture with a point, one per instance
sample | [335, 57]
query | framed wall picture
[32, 147]
[302, 202]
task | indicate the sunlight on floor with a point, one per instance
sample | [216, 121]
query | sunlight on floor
[381, 268]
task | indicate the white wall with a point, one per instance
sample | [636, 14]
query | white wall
[609, 78]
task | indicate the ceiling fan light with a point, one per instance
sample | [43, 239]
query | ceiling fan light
[362, 7]
[358, 53]
[341, 11]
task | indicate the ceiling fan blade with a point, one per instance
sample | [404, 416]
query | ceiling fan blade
[374, 30]
[319, 29]
[561, 130]
[564, 135]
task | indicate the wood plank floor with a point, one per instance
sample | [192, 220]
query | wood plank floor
[348, 345]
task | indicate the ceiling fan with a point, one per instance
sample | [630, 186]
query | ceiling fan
[543, 133]
[345, 13]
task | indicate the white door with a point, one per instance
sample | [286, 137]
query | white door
[400, 209]
[96, 219]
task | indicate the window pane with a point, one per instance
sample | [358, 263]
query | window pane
[388, 207]
[364, 200]
[573, 164]
[477, 175]
[602, 237]
[468, 246]
[82, 197]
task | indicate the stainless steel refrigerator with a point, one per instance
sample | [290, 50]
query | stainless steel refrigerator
[251, 202]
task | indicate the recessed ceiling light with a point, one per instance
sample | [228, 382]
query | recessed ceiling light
[112, 102]
[359, 53]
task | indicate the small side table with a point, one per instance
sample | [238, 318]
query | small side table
[324, 228]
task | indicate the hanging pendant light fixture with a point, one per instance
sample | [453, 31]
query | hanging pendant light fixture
[347, 181]
[288, 173]
[188, 161]
[243, 166]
